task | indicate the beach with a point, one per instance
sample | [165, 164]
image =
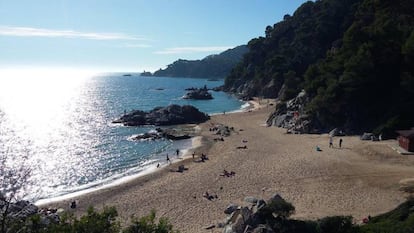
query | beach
[361, 178]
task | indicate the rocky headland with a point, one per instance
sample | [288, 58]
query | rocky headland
[198, 94]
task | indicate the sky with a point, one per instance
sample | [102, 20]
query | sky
[128, 35]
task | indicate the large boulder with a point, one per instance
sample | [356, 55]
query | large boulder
[198, 94]
[170, 115]
[257, 216]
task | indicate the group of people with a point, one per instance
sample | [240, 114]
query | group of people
[331, 145]
[203, 157]
[177, 152]
[331, 142]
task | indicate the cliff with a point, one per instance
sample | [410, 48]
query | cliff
[213, 66]
[354, 59]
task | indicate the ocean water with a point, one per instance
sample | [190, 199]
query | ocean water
[60, 127]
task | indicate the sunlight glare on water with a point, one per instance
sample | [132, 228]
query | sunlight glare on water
[36, 106]
[59, 124]
[35, 98]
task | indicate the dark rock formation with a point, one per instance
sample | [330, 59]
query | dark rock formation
[254, 218]
[146, 74]
[20, 209]
[219, 88]
[291, 116]
[198, 94]
[159, 133]
[170, 115]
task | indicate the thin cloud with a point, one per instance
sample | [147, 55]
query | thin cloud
[180, 50]
[137, 46]
[41, 32]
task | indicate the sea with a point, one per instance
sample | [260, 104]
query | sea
[59, 128]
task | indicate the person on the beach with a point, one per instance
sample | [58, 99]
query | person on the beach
[168, 159]
[330, 141]
[178, 152]
[340, 142]
[193, 155]
[158, 165]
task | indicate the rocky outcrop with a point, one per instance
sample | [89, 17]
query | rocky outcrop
[170, 115]
[291, 116]
[159, 133]
[255, 216]
[20, 209]
[198, 94]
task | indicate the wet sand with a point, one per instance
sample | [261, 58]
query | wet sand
[361, 178]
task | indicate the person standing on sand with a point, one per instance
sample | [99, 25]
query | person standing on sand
[330, 141]
[177, 152]
[168, 159]
[340, 142]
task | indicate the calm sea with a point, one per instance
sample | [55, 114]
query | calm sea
[61, 128]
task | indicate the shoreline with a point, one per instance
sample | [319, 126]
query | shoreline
[115, 182]
[359, 179]
[146, 170]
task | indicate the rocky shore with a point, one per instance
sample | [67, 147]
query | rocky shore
[170, 115]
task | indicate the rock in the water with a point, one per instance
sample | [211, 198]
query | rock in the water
[198, 94]
[170, 115]
[159, 133]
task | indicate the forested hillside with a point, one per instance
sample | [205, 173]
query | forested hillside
[354, 58]
[213, 66]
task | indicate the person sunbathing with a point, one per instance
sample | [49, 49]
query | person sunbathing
[228, 174]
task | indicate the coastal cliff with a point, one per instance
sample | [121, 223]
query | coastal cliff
[213, 66]
[354, 59]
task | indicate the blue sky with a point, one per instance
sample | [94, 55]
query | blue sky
[128, 35]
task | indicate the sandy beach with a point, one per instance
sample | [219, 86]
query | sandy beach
[361, 178]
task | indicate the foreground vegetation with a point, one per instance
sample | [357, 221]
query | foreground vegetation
[274, 217]
[93, 221]
[399, 220]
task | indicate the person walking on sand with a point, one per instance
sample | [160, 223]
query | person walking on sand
[340, 142]
[168, 159]
[177, 152]
[330, 141]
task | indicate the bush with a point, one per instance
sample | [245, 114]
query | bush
[336, 224]
[147, 224]
[277, 207]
